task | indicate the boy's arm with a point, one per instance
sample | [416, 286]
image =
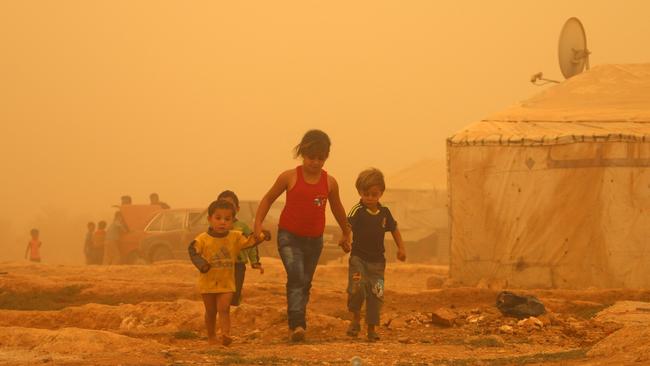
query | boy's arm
[391, 225]
[199, 262]
[27, 249]
[401, 251]
[253, 256]
[253, 240]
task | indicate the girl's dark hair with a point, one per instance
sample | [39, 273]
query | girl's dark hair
[223, 204]
[229, 194]
[313, 143]
[101, 224]
[33, 231]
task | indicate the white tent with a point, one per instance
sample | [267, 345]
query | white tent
[555, 192]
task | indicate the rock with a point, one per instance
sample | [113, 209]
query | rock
[405, 340]
[475, 318]
[531, 323]
[444, 317]
[506, 329]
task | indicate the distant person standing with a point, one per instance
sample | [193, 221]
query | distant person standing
[34, 247]
[88, 243]
[113, 236]
[155, 200]
[99, 238]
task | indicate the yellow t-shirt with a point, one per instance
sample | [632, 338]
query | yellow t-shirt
[221, 253]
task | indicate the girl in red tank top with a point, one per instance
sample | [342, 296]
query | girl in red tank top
[304, 212]
[302, 222]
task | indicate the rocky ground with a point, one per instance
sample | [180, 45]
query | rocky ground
[152, 315]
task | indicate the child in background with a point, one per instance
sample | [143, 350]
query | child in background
[369, 221]
[34, 247]
[88, 242]
[214, 254]
[99, 237]
[246, 255]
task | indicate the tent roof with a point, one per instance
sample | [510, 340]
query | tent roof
[606, 103]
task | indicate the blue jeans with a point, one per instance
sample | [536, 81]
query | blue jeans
[300, 256]
[366, 283]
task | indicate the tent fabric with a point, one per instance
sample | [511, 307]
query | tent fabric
[561, 204]
[607, 103]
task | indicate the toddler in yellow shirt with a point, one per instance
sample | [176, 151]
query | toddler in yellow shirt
[214, 253]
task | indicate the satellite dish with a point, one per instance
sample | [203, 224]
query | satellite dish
[572, 52]
[572, 48]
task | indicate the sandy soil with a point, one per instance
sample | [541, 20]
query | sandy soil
[152, 315]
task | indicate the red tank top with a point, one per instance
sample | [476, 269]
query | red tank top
[304, 211]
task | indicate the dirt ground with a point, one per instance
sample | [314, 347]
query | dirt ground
[152, 315]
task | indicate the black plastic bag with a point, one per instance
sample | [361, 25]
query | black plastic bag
[519, 306]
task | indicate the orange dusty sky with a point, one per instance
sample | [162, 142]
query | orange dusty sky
[104, 98]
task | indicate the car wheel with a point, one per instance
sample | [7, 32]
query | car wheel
[161, 253]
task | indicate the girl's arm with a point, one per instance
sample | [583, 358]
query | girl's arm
[27, 249]
[339, 212]
[401, 252]
[276, 190]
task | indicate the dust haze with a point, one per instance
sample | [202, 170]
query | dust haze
[101, 99]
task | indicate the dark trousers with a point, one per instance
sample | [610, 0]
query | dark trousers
[299, 257]
[366, 283]
[240, 274]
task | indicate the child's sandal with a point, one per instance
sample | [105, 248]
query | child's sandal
[353, 329]
[373, 336]
[226, 340]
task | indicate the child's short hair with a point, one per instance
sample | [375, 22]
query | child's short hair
[101, 225]
[368, 178]
[313, 143]
[229, 194]
[223, 204]
[90, 225]
[33, 232]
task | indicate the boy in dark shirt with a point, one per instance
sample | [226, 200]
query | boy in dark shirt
[369, 221]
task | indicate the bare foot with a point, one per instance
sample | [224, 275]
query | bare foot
[226, 340]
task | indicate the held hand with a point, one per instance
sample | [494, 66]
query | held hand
[205, 268]
[401, 254]
[257, 231]
[344, 243]
[264, 235]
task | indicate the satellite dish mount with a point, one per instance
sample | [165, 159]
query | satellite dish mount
[573, 53]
